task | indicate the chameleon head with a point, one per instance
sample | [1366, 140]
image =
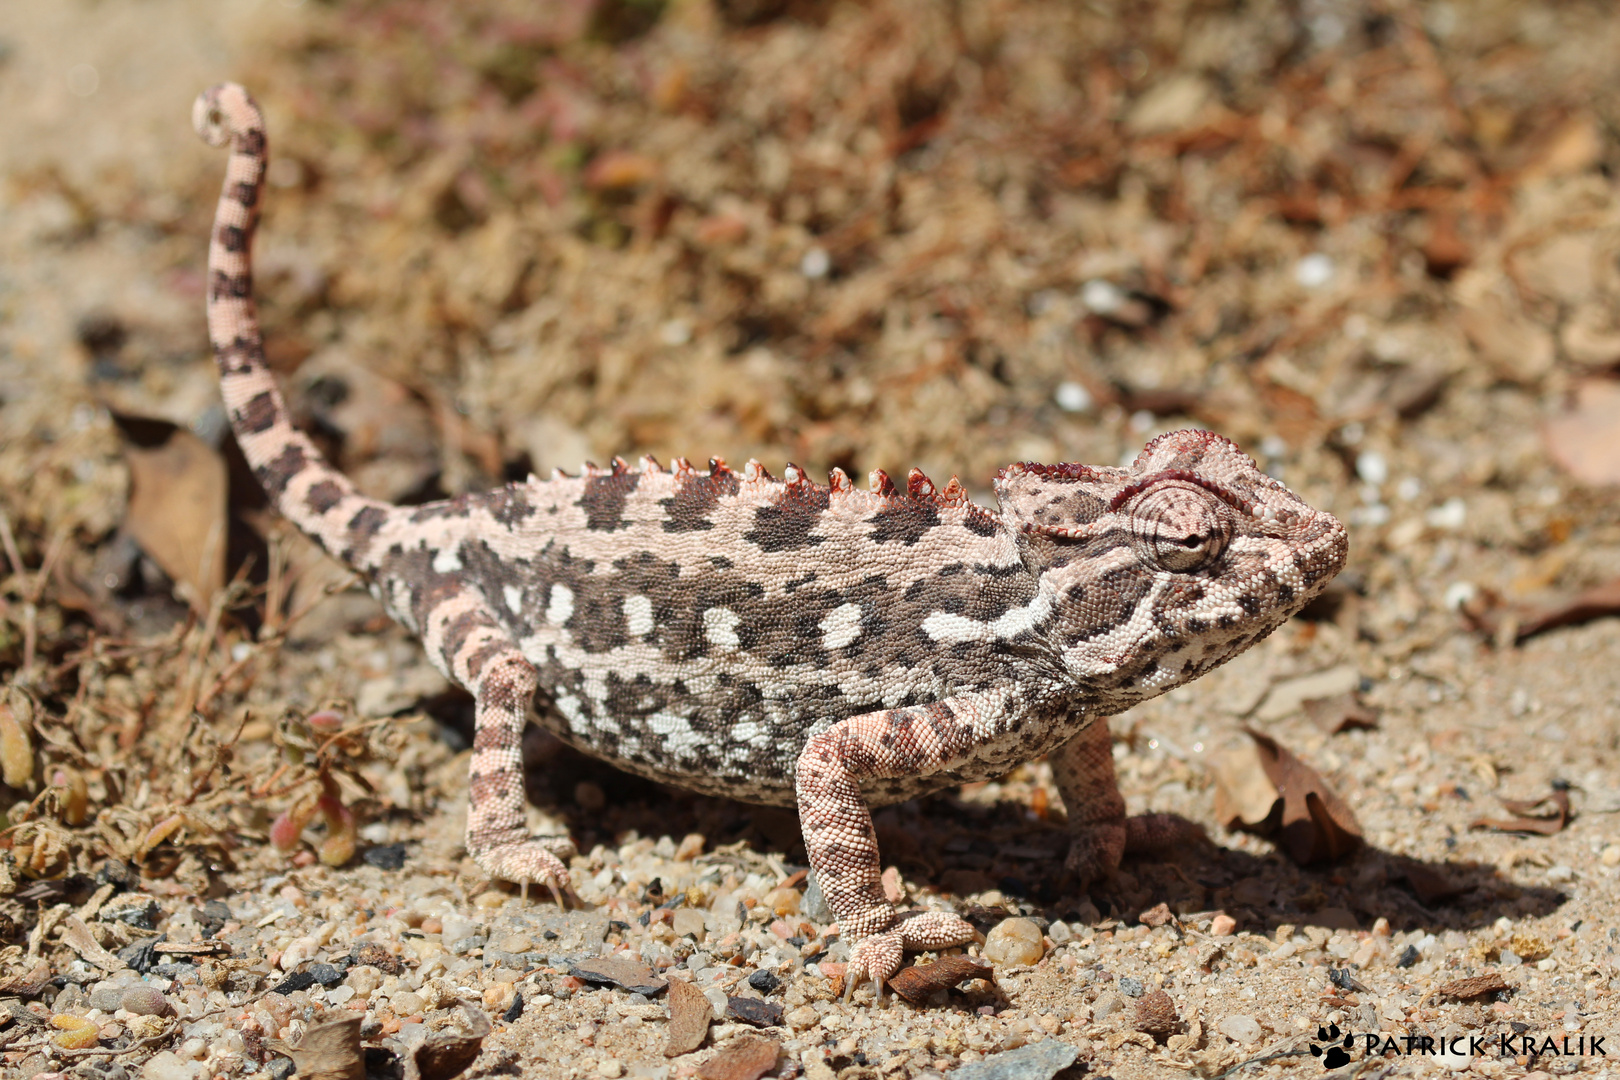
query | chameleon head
[1153, 574]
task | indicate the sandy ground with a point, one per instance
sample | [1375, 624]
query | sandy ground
[1376, 243]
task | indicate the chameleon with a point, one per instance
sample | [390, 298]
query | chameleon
[783, 642]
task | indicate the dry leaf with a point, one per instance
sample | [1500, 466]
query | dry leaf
[448, 1054]
[1340, 712]
[1244, 797]
[1431, 886]
[754, 1011]
[1585, 439]
[30, 983]
[328, 1051]
[76, 936]
[918, 982]
[1545, 816]
[747, 1058]
[621, 971]
[1313, 824]
[1594, 603]
[689, 1015]
[177, 505]
[1156, 916]
[1475, 987]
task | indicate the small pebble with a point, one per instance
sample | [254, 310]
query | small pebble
[432, 924]
[300, 951]
[365, 979]
[691, 847]
[783, 901]
[1014, 941]
[1245, 1029]
[515, 943]
[168, 1066]
[144, 1001]
[688, 922]
[498, 996]
[408, 1003]
[1610, 855]
[1222, 925]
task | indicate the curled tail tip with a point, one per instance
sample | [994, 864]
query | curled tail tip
[218, 114]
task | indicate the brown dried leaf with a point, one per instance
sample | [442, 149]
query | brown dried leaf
[621, 971]
[689, 1016]
[918, 982]
[448, 1054]
[1594, 603]
[1340, 712]
[30, 983]
[747, 1058]
[77, 936]
[1245, 797]
[328, 1051]
[1316, 825]
[1526, 819]
[177, 505]
[754, 1011]
[1475, 987]
[1585, 439]
[1431, 886]
[1156, 916]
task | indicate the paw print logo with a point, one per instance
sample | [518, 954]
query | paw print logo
[1336, 1055]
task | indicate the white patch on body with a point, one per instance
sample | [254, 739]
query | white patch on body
[720, 627]
[561, 607]
[638, 616]
[841, 626]
[514, 598]
[946, 626]
[447, 560]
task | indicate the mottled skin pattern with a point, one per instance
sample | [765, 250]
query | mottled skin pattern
[782, 642]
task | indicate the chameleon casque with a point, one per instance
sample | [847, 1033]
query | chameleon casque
[783, 642]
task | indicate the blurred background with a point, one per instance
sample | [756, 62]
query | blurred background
[1375, 242]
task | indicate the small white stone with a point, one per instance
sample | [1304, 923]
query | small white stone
[1245, 1029]
[1371, 467]
[1314, 270]
[816, 263]
[610, 1068]
[1072, 397]
[1451, 514]
[675, 332]
[1459, 593]
[1101, 296]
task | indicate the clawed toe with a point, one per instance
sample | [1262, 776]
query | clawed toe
[878, 956]
[530, 861]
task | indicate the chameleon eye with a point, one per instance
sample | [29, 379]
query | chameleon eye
[1179, 527]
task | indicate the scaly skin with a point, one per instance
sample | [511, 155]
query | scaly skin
[784, 642]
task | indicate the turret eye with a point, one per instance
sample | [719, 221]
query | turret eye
[1179, 527]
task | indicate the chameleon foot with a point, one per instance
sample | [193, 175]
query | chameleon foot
[537, 860]
[877, 956]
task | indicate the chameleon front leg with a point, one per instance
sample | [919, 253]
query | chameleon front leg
[838, 834]
[483, 658]
[1100, 833]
